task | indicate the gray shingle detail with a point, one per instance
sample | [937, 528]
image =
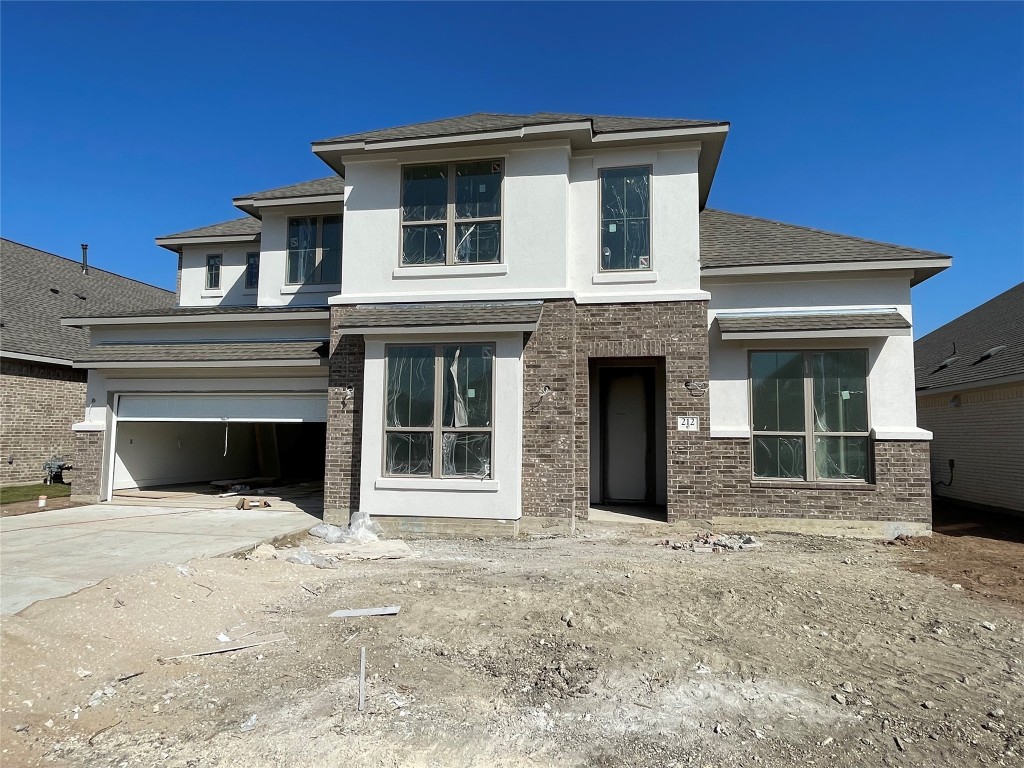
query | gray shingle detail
[851, 321]
[737, 240]
[480, 122]
[215, 352]
[329, 185]
[30, 311]
[998, 322]
[247, 225]
[219, 310]
[439, 314]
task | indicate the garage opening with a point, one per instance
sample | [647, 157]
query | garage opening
[172, 450]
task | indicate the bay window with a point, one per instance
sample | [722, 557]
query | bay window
[438, 410]
[809, 413]
[626, 218]
[451, 213]
[314, 250]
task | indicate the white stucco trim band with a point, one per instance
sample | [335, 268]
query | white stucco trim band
[88, 426]
[428, 484]
[901, 433]
[619, 278]
[34, 358]
[469, 270]
[742, 433]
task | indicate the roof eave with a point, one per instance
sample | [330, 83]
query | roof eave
[252, 205]
[175, 244]
[922, 268]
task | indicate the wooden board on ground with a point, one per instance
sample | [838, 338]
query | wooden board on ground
[349, 613]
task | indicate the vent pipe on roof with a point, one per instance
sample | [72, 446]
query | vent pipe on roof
[85, 258]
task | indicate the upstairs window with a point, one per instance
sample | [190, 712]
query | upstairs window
[213, 262]
[314, 250]
[252, 271]
[437, 416]
[451, 213]
[626, 218]
[810, 415]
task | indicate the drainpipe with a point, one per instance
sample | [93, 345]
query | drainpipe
[85, 258]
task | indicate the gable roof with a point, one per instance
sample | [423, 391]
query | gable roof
[729, 240]
[38, 288]
[998, 322]
[481, 122]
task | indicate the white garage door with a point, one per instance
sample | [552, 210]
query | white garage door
[223, 407]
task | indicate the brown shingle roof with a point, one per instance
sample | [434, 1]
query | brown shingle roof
[998, 322]
[437, 314]
[214, 352]
[329, 185]
[247, 225]
[38, 288]
[835, 321]
[737, 240]
[480, 122]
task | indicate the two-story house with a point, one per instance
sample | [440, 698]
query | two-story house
[496, 316]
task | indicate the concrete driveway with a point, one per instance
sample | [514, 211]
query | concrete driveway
[54, 553]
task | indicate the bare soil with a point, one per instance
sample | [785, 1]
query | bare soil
[811, 651]
[15, 508]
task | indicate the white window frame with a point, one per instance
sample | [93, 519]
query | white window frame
[450, 222]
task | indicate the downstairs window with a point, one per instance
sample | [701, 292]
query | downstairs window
[438, 410]
[809, 414]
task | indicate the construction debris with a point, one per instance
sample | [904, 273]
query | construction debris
[714, 543]
[246, 503]
[241, 645]
[348, 613]
[362, 678]
[332, 555]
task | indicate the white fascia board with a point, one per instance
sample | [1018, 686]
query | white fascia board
[661, 133]
[643, 298]
[78, 322]
[845, 333]
[1015, 378]
[900, 433]
[285, 201]
[34, 358]
[137, 364]
[207, 240]
[458, 296]
[838, 266]
[418, 330]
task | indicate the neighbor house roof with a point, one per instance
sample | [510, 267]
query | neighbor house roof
[731, 241]
[795, 321]
[482, 122]
[266, 353]
[439, 314]
[984, 344]
[38, 288]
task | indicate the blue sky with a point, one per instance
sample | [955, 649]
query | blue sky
[901, 122]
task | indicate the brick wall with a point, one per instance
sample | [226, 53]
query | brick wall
[88, 461]
[984, 434]
[900, 492]
[344, 425]
[38, 405]
[556, 430]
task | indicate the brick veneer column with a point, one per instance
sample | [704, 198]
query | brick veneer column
[677, 332]
[87, 460]
[549, 360]
[344, 425]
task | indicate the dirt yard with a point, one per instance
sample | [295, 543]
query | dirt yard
[810, 651]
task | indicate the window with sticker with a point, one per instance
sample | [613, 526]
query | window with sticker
[626, 219]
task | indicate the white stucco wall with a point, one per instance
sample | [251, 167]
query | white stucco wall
[273, 288]
[232, 290]
[499, 498]
[891, 399]
[550, 229]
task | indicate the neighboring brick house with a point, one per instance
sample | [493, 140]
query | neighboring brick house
[527, 316]
[970, 394]
[41, 394]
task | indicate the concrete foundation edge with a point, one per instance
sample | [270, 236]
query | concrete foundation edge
[860, 529]
[403, 527]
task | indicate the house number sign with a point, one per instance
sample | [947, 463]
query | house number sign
[687, 423]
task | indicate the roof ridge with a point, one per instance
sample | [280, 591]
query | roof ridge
[98, 269]
[827, 232]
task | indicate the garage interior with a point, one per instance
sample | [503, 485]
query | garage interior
[194, 463]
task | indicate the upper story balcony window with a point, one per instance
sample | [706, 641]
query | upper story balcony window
[314, 250]
[451, 213]
[626, 218]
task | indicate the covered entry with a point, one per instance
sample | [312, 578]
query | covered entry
[165, 440]
[627, 434]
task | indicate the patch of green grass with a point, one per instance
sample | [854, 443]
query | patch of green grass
[9, 494]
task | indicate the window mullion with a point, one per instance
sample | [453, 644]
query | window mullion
[435, 464]
[809, 459]
[449, 256]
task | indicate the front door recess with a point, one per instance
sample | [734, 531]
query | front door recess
[627, 434]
